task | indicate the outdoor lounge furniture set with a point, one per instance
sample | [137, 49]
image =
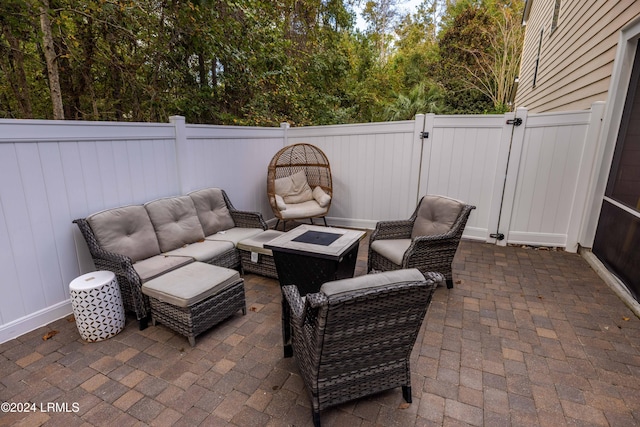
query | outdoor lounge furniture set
[176, 258]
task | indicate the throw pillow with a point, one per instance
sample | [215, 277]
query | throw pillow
[321, 197]
[280, 203]
[294, 188]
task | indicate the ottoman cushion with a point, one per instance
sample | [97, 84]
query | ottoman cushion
[190, 284]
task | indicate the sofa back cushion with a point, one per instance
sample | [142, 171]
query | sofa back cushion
[212, 210]
[436, 215]
[175, 221]
[127, 231]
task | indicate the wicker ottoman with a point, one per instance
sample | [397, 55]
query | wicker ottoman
[255, 258]
[97, 305]
[195, 297]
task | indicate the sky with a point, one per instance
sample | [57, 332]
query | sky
[406, 6]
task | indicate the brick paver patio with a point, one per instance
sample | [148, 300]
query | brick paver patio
[526, 337]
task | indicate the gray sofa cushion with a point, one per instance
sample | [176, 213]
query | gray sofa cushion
[127, 231]
[190, 284]
[203, 251]
[155, 266]
[436, 215]
[212, 210]
[175, 221]
[235, 234]
[371, 281]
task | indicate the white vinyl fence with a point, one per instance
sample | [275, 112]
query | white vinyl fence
[529, 183]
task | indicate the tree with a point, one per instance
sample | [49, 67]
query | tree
[12, 56]
[381, 16]
[52, 61]
[420, 100]
[480, 49]
[250, 62]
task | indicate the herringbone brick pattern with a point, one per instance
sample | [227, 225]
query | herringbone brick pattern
[525, 338]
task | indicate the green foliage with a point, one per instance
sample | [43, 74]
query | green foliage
[420, 100]
[480, 46]
[248, 62]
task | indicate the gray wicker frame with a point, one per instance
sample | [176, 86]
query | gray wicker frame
[265, 266]
[357, 343]
[193, 320]
[129, 280]
[426, 253]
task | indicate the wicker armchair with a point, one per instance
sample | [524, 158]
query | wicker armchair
[314, 164]
[401, 244]
[355, 336]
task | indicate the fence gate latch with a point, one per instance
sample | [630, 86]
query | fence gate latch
[424, 135]
[497, 236]
[516, 122]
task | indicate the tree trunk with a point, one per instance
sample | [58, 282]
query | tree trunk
[18, 82]
[52, 61]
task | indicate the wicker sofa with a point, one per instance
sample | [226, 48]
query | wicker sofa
[140, 243]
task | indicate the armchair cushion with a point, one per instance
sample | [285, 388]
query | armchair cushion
[370, 281]
[175, 221]
[294, 188]
[321, 197]
[391, 249]
[308, 209]
[212, 210]
[436, 215]
[127, 230]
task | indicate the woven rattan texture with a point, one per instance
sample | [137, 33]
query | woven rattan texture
[294, 158]
[228, 259]
[426, 253]
[130, 284]
[265, 266]
[357, 343]
[192, 321]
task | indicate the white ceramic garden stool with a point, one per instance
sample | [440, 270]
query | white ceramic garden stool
[97, 305]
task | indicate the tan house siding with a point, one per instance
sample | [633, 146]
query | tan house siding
[576, 59]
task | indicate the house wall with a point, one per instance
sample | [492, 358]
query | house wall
[576, 59]
[527, 182]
